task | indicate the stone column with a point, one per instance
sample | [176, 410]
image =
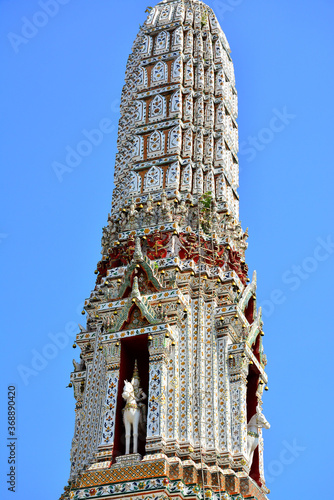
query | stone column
[224, 395]
[185, 348]
[78, 380]
[199, 379]
[238, 369]
[113, 356]
[173, 398]
[79, 417]
[261, 444]
[81, 444]
[157, 402]
[211, 380]
[224, 408]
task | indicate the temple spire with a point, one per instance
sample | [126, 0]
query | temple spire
[173, 300]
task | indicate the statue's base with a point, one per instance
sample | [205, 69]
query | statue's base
[100, 465]
[163, 478]
[130, 459]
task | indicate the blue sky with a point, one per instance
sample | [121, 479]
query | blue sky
[61, 80]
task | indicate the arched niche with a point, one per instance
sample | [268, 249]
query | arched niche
[132, 348]
[252, 403]
[249, 310]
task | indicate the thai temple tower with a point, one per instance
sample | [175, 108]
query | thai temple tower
[171, 375]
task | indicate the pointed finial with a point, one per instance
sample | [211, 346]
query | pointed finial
[135, 373]
[138, 254]
[254, 278]
[135, 289]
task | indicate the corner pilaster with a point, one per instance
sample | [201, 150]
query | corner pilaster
[157, 403]
[238, 370]
[113, 356]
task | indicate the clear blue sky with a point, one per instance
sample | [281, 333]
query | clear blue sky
[65, 77]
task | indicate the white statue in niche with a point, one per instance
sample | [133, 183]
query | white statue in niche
[256, 422]
[134, 412]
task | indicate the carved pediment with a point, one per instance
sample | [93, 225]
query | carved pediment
[135, 319]
[140, 267]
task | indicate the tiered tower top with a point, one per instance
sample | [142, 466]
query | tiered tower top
[178, 130]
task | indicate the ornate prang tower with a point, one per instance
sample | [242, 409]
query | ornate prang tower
[173, 341]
